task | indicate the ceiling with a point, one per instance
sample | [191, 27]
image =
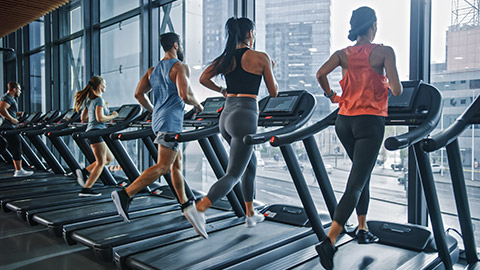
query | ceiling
[17, 13]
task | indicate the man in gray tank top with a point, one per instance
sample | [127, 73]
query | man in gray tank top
[170, 85]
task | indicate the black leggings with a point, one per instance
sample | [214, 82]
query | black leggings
[14, 145]
[362, 137]
[239, 118]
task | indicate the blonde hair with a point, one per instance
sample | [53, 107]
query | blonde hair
[88, 91]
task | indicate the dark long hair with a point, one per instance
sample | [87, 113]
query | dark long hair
[236, 30]
[361, 21]
[88, 91]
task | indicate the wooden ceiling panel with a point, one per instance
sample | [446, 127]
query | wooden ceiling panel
[17, 13]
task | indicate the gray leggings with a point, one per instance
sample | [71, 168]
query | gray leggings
[362, 137]
[239, 118]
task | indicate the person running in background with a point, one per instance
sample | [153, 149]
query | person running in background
[9, 111]
[368, 71]
[243, 69]
[96, 113]
[169, 82]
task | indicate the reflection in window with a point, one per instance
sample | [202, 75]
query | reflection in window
[36, 33]
[37, 82]
[120, 61]
[112, 8]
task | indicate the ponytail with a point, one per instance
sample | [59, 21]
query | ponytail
[236, 30]
[89, 91]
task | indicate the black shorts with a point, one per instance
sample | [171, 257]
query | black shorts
[95, 139]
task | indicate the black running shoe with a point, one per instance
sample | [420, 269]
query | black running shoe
[326, 251]
[366, 237]
[122, 202]
[88, 192]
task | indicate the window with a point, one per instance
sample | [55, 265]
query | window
[300, 36]
[112, 8]
[37, 82]
[204, 39]
[36, 33]
[120, 61]
[72, 71]
[457, 38]
[71, 20]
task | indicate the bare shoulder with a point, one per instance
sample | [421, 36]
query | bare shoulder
[261, 56]
[385, 50]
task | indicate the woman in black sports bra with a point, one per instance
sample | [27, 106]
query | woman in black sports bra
[243, 69]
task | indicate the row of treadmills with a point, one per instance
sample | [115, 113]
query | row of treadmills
[159, 237]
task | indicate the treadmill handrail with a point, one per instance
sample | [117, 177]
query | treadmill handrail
[304, 133]
[132, 135]
[117, 127]
[448, 135]
[259, 138]
[192, 135]
[419, 133]
[66, 131]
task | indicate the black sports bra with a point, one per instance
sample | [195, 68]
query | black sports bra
[240, 81]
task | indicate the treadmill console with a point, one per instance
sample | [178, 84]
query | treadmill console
[405, 101]
[48, 116]
[124, 112]
[70, 113]
[212, 107]
[411, 107]
[283, 109]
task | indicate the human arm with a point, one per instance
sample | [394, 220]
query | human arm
[84, 116]
[206, 80]
[142, 90]
[4, 112]
[268, 76]
[183, 85]
[99, 114]
[391, 71]
[324, 70]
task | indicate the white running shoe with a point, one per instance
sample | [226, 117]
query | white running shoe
[22, 173]
[197, 219]
[80, 178]
[250, 222]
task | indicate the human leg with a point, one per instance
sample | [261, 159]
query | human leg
[15, 148]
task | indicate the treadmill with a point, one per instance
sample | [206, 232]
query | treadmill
[34, 137]
[229, 241]
[102, 239]
[105, 212]
[33, 121]
[5, 154]
[69, 197]
[401, 246]
[448, 138]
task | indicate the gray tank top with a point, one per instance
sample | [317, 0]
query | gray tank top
[167, 105]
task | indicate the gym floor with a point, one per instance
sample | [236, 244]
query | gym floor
[31, 247]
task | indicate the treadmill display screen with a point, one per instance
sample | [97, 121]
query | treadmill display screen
[281, 104]
[211, 107]
[30, 118]
[404, 101]
[49, 115]
[68, 115]
[123, 112]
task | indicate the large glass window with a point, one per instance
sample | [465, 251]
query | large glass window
[112, 8]
[120, 61]
[37, 82]
[455, 71]
[72, 71]
[36, 33]
[72, 20]
[299, 37]
[204, 40]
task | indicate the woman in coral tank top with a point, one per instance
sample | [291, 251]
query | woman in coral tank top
[368, 71]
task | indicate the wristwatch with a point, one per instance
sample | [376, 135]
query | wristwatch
[329, 95]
